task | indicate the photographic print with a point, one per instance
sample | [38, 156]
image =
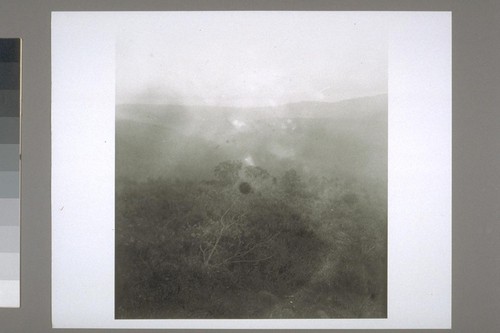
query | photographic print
[251, 170]
[251, 167]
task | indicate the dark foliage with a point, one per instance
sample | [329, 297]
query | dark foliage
[250, 245]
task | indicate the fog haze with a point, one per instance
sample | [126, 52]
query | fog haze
[248, 59]
[251, 166]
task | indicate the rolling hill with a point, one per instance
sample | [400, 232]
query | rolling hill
[317, 139]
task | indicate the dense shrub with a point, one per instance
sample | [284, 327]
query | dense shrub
[212, 250]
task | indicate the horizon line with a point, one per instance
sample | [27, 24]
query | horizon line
[258, 106]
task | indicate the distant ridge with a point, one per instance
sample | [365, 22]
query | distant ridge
[380, 97]
[351, 108]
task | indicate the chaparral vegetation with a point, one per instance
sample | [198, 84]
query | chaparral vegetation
[277, 219]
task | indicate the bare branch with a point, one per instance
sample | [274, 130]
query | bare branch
[165, 262]
[225, 213]
[239, 255]
[207, 262]
[203, 252]
[254, 260]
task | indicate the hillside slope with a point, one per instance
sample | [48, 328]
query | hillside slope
[315, 138]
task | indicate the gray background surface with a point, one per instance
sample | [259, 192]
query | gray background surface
[476, 146]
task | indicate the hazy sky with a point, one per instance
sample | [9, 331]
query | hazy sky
[250, 58]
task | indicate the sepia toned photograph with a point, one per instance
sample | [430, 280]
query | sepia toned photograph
[251, 174]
